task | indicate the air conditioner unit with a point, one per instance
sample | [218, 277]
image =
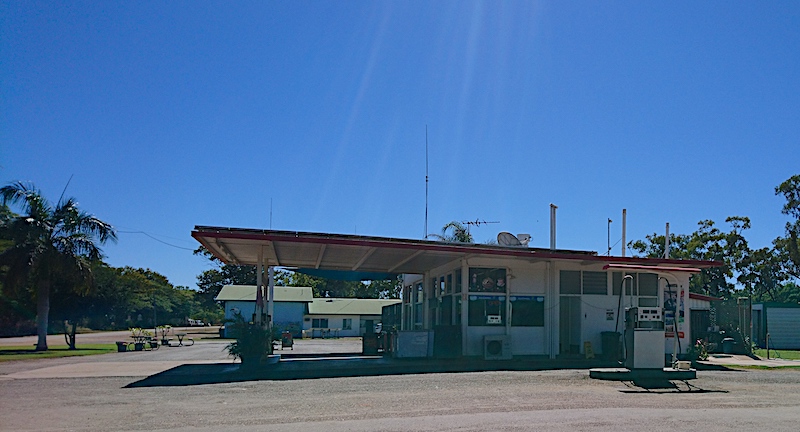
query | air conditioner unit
[497, 347]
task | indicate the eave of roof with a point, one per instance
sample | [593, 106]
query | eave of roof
[381, 254]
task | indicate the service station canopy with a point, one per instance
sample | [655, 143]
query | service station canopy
[354, 257]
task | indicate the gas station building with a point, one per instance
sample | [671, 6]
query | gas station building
[526, 301]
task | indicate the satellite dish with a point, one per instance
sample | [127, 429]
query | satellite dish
[507, 239]
[524, 239]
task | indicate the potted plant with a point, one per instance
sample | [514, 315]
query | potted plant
[253, 342]
[164, 331]
[140, 336]
[122, 346]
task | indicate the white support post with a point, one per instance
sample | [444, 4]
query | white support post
[259, 310]
[271, 296]
[464, 304]
[426, 289]
[508, 303]
[551, 301]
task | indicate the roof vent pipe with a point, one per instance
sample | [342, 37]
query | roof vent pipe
[666, 243]
[624, 227]
[553, 208]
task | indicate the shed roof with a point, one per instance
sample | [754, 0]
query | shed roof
[248, 293]
[348, 306]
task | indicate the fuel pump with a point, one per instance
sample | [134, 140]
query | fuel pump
[644, 338]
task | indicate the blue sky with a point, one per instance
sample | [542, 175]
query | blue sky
[176, 114]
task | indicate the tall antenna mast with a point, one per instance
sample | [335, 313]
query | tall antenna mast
[73, 175]
[426, 182]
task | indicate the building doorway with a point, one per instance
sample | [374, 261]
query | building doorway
[569, 325]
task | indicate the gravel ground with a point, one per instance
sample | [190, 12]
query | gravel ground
[92, 394]
[552, 400]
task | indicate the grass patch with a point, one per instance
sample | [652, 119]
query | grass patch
[8, 353]
[759, 367]
[778, 354]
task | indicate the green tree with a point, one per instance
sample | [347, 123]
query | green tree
[211, 281]
[50, 243]
[454, 232]
[323, 287]
[789, 246]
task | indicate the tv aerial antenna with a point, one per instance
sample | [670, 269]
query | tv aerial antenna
[477, 222]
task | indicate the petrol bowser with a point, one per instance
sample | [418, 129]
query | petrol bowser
[644, 338]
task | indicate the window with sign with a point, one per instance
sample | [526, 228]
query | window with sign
[487, 310]
[527, 311]
[487, 280]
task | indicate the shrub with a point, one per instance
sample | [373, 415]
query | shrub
[253, 342]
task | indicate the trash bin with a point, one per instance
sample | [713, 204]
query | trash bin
[369, 344]
[610, 342]
[728, 345]
[287, 341]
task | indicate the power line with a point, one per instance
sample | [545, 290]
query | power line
[156, 239]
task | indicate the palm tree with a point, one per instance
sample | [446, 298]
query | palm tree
[49, 245]
[460, 233]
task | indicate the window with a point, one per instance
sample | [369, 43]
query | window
[458, 281]
[418, 295]
[616, 281]
[319, 323]
[587, 282]
[447, 310]
[487, 310]
[487, 280]
[347, 324]
[595, 282]
[648, 284]
[527, 311]
[648, 301]
[569, 282]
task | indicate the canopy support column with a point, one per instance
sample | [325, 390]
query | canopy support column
[271, 294]
[464, 305]
[259, 311]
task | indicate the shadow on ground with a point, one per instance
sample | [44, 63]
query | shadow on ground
[316, 368]
[664, 386]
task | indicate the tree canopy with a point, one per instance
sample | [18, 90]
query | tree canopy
[50, 244]
[766, 274]
[454, 232]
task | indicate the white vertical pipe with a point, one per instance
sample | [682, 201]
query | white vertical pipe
[259, 284]
[271, 295]
[666, 244]
[675, 335]
[624, 227]
[464, 304]
[553, 208]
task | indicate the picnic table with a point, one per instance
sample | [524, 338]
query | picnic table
[180, 337]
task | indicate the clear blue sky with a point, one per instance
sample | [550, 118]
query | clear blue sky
[176, 114]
